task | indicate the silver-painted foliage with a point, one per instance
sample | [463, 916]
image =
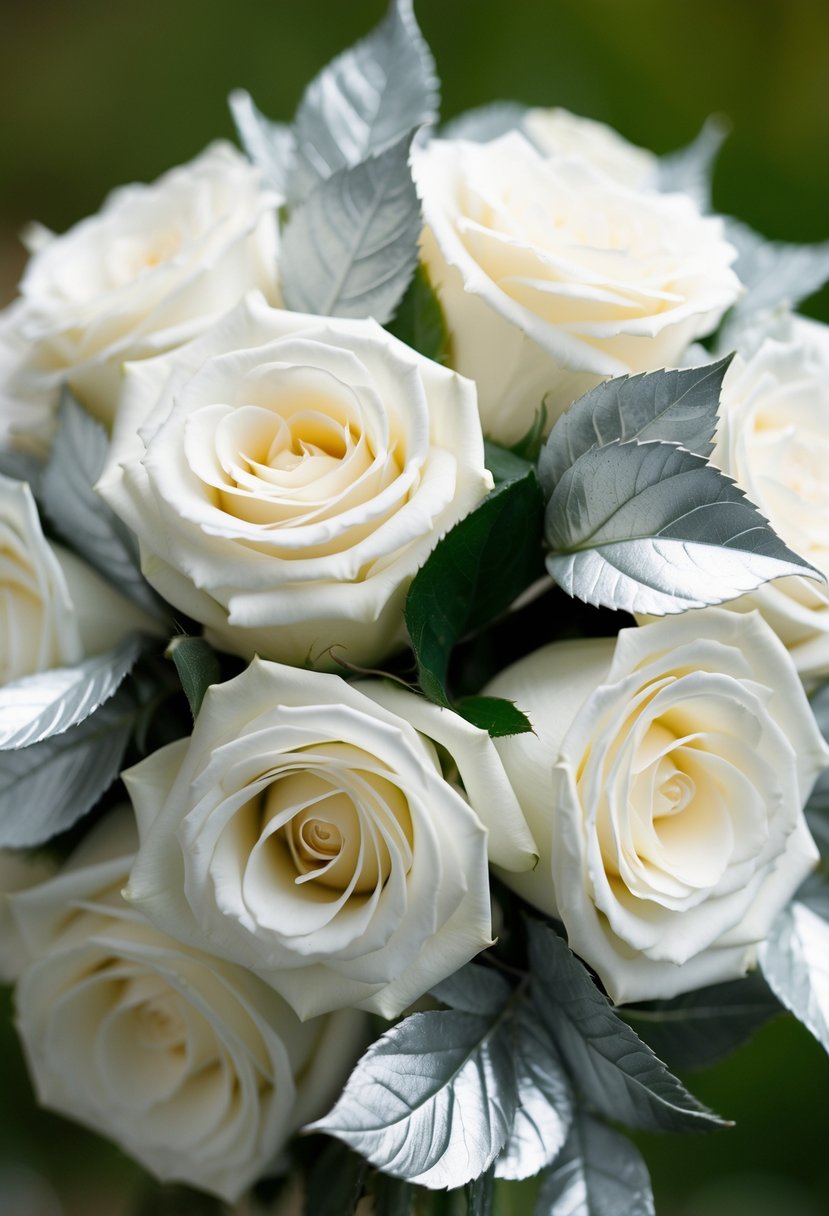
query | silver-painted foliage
[365, 100]
[795, 958]
[689, 170]
[50, 702]
[652, 528]
[618, 1074]
[673, 406]
[598, 1173]
[270, 145]
[349, 250]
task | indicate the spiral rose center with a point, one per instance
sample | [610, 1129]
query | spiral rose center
[159, 1024]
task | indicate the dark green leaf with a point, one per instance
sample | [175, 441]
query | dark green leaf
[674, 406]
[494, 714]
[334, 1186]
[419, 319]
[699, 1028]
[197, 668]
[618, 1073]
[392, 1196]
[652, 528]
[599, 1173]
[473, 575]
[432, 1100]
[46, 788]
[504, 464]
[529, 445]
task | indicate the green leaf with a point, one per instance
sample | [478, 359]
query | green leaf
[335, 1184]
[699, 1028]
[673, 406]
[48, 703]
[599, 1173]
[652, 528]
[270, 145]
[419, 319]
[618, 1073]
[504, 464]
[494, 714]
[350, 248]
[82, 518]
[197, 668]
[690, 169]
[365, 100]
[49, 786]
[530, 444]
[481, 1195]
[432, 1100]
[473, 575]
[544, 1111]
[794, 958]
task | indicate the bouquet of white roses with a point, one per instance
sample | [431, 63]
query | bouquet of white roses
[415, 546]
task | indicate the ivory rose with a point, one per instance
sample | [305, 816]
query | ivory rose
[773, 439]
[664, 786]
[192, 1065]
[152, 269]
[287, 476]
[54, 609]
[557, 132]
[307, 833]
[553, 276]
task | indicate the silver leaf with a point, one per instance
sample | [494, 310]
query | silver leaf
[270, 145]
[46, 788]
[674, 406]
[690, 169]
[775, 274]
[795, 959]
[80, 516]
[474, 989]
[599, 1173]
[618, 1073]
[652, 528]
[486, 123]
[544, 1111]
[431, 1101]
[48, 703]
[350, 249]
[365, 100]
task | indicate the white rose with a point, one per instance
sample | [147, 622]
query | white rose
[773, 439]
[290, 476]
[664, 787]
[307, 833]
[193, 1066]
[553, 276]
[557, 132]
[152, 269]
[54, 609]
[27, 415]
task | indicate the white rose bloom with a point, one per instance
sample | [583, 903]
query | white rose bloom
[193, 1066]
[288, 475]
[557, 132]
[307, 833]
[664, 786]
[27, 415]
[553, 276]
[773, 439]
[153, 268]
[54, 609]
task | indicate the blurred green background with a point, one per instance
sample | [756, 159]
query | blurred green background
[95, 93]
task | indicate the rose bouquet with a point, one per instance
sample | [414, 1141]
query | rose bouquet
[416, 637]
